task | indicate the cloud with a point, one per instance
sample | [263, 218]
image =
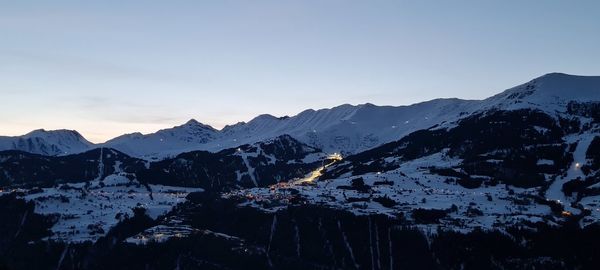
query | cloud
[123, 111]
[85, 66]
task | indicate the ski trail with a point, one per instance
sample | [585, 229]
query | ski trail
[273, 225]
[249, 168]
[555, 192]
[389, 234]
[371, 244]
[348, 247]
[101, 164]
[327, 243]
[22, 222]
[297, 238]
[177, 267]
[377, 247]
[62, 257]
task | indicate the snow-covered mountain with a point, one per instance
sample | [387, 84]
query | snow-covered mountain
[525, 156]
[47, 142]
[351, 129]
[261, 164]
[550, 93]
[519, 172]
[348, 129]
[166, 142]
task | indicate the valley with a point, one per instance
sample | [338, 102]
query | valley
[508, 182]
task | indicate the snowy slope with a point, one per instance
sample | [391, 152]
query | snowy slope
[550, 93]
[351, 129]
[523, 157]
[527, 155]
[47, 142]
[347, 128]
[87, 211]
[165, 142]
[520, 157]
[408, 189]
[260, 164]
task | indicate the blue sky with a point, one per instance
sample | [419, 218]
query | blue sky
[112, 67]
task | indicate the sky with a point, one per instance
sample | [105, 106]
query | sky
[106, 68]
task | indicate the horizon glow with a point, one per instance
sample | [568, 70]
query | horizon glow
[113, 67]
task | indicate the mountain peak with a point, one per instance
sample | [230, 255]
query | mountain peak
[554, 76]
[265, 117]
[59, 132]
[192, 122]
[550, 92]
[47, 142]
[557, 74]
[567, 86]
[195, 124]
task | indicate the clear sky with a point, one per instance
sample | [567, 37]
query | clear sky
[112, 67]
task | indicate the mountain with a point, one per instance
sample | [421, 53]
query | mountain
[47, 142]
[351, 129]
[261, 164]
[167, 142]
[264, 163]
[550, 93]
[346, 129]
[523, 156]
[22, 169]
[509, 182]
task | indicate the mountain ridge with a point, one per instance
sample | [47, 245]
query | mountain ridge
[47, 142]
[345, 128]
